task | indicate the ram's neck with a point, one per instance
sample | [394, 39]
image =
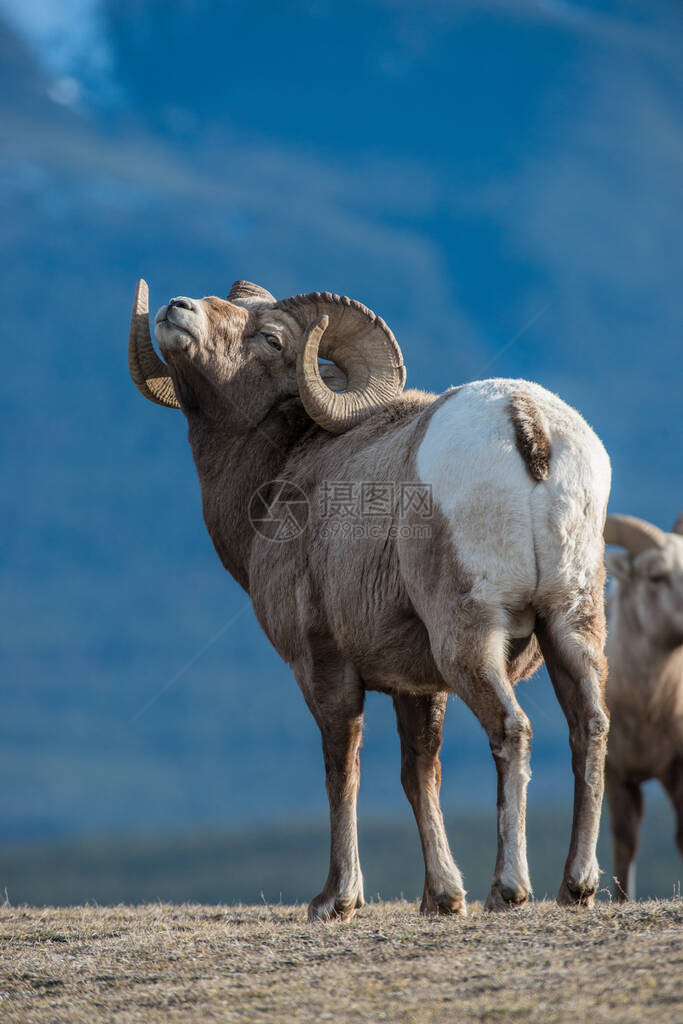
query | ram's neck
[231, 468]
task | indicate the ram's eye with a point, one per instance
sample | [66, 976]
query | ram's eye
[273, 340]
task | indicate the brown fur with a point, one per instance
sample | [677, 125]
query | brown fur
[644, 695]
[532, 441]
[391, 614]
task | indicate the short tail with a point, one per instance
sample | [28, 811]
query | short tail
[532, 441]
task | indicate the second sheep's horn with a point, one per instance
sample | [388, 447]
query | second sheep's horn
[148, 372]
[634, 534]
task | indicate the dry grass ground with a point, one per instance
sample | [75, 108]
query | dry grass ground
[161, 962]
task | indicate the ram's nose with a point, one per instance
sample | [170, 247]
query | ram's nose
[176, 311]
[182, 302]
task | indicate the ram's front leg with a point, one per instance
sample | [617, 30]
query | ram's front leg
[335, 696]
[420, 721]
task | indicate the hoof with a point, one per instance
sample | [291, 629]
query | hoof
[503, 897]
[571, 896]
[443, 903]
[333, 908]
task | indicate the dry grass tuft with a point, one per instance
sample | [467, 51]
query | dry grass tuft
[194, 963]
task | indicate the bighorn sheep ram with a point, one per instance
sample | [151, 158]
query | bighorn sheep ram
[463, 591]
[645, 681]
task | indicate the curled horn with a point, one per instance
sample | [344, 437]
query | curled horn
[245, 291]
[360, 344]
[148, 372]
[634, 534]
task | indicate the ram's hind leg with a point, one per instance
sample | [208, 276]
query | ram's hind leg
[420, 721]
[472, 660]
[572, 648]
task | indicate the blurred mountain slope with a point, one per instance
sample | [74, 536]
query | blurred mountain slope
[455, 173]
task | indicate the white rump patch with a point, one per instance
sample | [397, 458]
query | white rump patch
[514, 535]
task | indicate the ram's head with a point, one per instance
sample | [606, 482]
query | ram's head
[248, 352]
[650, 574]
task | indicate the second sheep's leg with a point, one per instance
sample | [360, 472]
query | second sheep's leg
[673, 784]
[625, 800]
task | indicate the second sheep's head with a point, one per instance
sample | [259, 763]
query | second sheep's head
[649, 571]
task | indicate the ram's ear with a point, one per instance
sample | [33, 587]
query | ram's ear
[619, 564]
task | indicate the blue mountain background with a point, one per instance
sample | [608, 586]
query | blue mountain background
[500, 181]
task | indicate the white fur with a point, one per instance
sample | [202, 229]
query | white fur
[515, 870]
[442, 873]
[518, 538]
[177, 327]
[584, 866]
[515, 752]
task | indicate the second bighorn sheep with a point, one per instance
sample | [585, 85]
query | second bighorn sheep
[508, 570]
[645, 681]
